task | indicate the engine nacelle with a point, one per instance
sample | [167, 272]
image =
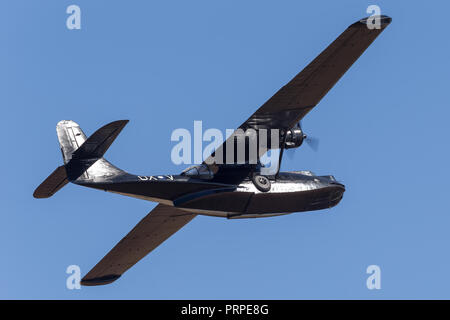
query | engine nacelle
[294, 138]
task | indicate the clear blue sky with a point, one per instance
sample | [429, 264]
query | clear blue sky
[164, 64]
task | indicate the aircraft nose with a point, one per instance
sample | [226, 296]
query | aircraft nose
[333, 182]
[337, 193]
[338, 184]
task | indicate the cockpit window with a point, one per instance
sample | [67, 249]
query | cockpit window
[200, 172]
[192, 171]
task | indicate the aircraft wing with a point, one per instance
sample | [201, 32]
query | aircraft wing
[162, 222]
[294, 100]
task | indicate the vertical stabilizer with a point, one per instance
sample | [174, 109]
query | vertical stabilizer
[70, 137]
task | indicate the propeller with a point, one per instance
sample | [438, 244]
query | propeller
[311, 141]
[297, 140]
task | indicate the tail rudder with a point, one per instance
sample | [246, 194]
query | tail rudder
[70, 137]
[85, 161]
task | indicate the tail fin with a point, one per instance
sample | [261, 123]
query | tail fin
[83, 158]
[70, 137]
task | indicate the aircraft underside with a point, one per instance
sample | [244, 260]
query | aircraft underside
[289, 192]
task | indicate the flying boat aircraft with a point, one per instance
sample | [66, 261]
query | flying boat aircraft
[217, 187]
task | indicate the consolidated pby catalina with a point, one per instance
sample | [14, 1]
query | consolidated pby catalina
[233, 190]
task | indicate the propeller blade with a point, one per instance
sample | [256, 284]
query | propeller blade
[291, 153]
[313, 143]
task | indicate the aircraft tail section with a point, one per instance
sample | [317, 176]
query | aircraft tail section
[70, 137]
[83, 157]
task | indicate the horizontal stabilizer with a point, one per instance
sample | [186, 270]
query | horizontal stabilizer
[97, 144]
[52, 184]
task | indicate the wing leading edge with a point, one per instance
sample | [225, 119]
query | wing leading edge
[293, 101]
[162, 222]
